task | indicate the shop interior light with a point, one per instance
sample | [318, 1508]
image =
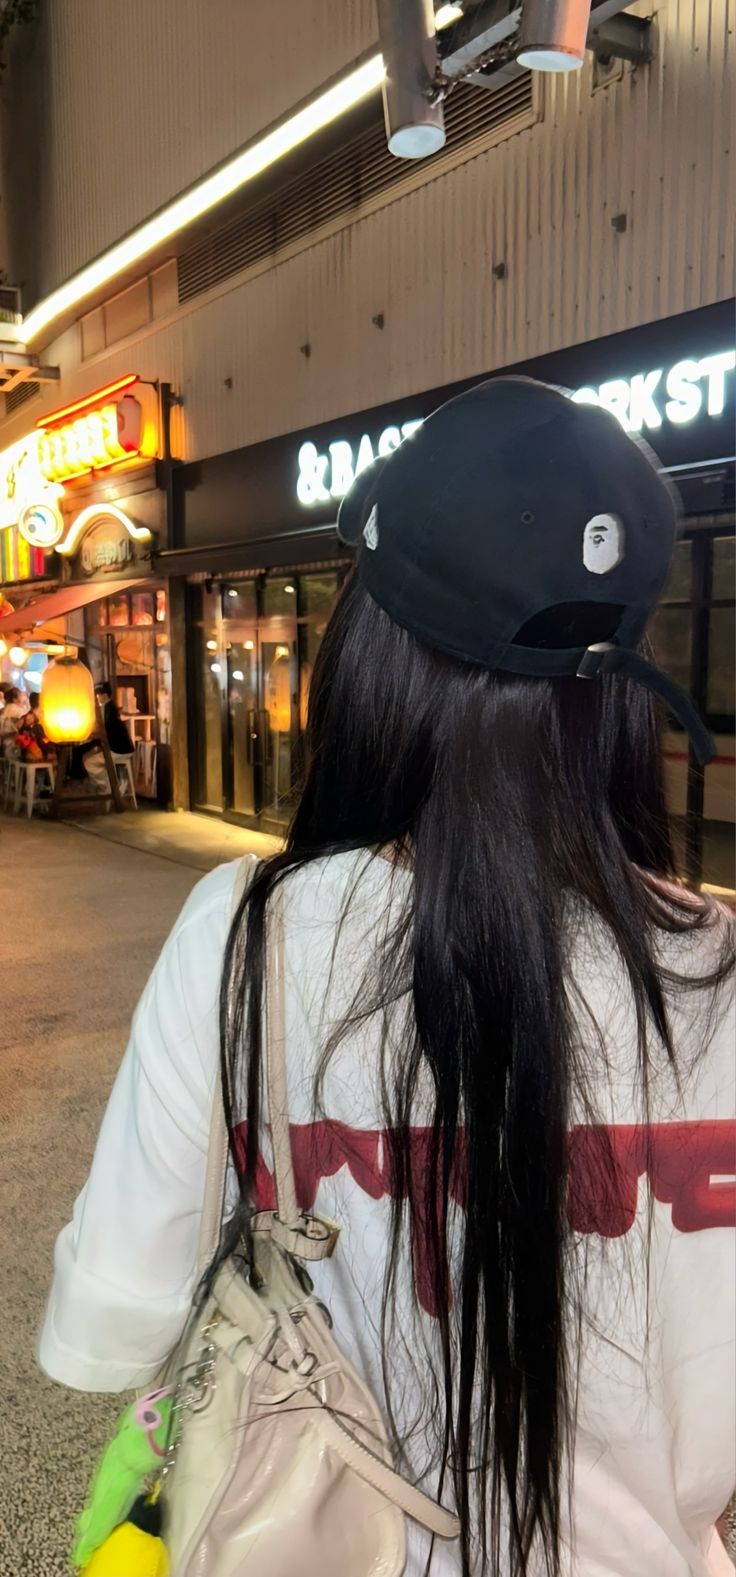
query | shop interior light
[249, 645]
[212, 646]
[290, 590]
[232, 591]
[216, 668]
[238, 674]
[446, 15]
[553, 33]
[18, 656]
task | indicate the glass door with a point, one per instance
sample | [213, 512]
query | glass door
[240, 636]
[253, 644]
[259, 637]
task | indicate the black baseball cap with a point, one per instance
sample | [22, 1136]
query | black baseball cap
[513, 511]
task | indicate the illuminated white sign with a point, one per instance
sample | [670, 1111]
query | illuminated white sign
[643, 403]
[324, 476]
[91, 516]
[24, 490]
[689, 389]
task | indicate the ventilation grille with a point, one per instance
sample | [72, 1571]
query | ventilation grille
[340, 185]
[27, 390]
[9, 304]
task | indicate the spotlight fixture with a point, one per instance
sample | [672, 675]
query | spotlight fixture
[415, 123]
[553, 34]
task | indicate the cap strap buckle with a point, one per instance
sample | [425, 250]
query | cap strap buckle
[592, 660]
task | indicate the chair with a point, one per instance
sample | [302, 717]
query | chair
[145, 766]
[123, 765]
[26, 775]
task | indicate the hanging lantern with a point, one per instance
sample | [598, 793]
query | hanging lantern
[68, 713]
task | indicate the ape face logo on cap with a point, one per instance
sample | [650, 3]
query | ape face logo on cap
[603, 544]
[370, 529]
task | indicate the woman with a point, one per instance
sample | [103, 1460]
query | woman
[11, 717]
[510, 1067]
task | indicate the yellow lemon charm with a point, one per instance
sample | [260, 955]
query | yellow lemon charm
[134, 1549]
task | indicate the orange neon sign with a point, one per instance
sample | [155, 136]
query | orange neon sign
[91, 442]
[109, 428]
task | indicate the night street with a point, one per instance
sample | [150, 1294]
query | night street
[367, 414]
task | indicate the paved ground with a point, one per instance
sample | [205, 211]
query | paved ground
[84, 916]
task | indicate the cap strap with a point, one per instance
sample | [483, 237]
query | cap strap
[588, 661]
[618, 660]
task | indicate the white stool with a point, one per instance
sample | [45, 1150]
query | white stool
[145, 766]
[26, 774]
[11, 776]
[123, 765]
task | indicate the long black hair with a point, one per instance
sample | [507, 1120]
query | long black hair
[508, 799]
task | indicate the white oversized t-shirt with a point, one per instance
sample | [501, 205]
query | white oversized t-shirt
[655, 1453]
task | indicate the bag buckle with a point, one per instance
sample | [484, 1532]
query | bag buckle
[592, 659]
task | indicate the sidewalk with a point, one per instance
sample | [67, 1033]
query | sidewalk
[180, 836]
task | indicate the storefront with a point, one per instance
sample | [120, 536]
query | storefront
[257, 544]
[98, 528]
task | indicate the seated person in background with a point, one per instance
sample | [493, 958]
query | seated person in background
[14, 710]
[118, 739]
[31, 737]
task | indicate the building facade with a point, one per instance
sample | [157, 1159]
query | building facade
[578, 228]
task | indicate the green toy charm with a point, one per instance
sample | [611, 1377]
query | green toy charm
[136, 1450]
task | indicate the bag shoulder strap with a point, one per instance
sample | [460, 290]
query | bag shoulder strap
[218, 1145]
[306, 1237]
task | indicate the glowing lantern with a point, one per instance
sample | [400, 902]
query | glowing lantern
[18, 656]
[68, 713]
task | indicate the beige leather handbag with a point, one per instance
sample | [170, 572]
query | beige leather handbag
[280, 1463]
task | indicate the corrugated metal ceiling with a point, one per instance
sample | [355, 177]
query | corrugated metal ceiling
[359, 175]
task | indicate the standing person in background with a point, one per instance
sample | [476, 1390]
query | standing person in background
[508, 1027]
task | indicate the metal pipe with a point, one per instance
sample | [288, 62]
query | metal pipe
[553, 34]
[415, 124]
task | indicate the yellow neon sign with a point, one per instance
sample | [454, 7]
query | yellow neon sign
[93, 441]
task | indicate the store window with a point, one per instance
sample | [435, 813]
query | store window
[254, 644]
[127, 645]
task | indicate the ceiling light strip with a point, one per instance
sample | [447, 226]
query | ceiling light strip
[195, 202]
